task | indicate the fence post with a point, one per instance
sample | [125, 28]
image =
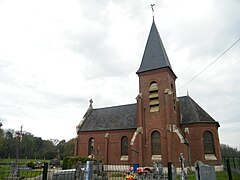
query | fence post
[45, 171]
[229, 169]
[238, 163]
[169, 171]
[223, 161]
[234, 164]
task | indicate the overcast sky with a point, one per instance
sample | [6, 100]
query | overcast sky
[55, 55]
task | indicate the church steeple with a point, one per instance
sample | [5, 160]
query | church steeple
[155, 56]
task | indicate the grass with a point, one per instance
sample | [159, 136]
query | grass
[23, 161]
[117, 175]
[6, 169]
[25, 174]
[223, 175]
[30, 174]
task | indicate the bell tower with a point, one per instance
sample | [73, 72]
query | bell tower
[156, 101]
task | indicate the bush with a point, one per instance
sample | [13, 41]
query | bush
[117, 175]
[65, 163]
[71, 161]
[31, 164]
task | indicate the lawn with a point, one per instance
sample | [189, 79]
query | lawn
[223, 175]
[6, 168]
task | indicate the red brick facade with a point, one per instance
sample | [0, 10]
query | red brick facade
[107, 144]
[161, 126]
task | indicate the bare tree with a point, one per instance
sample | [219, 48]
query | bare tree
[54, 141]
[2, 120]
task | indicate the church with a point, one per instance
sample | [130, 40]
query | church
[157, 127]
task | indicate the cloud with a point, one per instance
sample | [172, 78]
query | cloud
[55, 56]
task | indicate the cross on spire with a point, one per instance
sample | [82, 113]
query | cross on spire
[91, 102]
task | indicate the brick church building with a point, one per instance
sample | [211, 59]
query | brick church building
[158, 127]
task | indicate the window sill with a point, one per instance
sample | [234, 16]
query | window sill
[124, 158]
[210, 157]
[156, 157]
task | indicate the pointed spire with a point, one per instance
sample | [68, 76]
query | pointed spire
[155, 56]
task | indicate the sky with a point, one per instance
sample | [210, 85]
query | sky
[56, 55]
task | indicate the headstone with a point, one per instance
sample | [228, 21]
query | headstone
[80, 170]
[14, 169]
[64, 174]
[157, 170]
[160, 169]
[174, 173]
[90, 170]
[155, 167]
[204, 171]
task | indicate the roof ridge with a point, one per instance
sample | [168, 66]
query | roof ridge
[192, 111]
[108, 107]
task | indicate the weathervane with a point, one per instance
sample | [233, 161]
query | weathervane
[152, 9]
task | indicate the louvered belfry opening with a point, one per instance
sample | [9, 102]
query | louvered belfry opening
[153, 97]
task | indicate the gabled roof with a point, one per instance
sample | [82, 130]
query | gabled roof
[111, 118]
[191, 112]
[154, 56]
[125, 116]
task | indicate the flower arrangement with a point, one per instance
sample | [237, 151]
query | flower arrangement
[130, 176]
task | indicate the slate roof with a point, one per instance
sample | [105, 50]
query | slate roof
[191, 112]
[125, 116]
[154, 56]
[111, 118]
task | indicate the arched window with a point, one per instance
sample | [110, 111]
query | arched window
[124, 146]
[208, 142]
[155, 143]
[91, 146]
[153, 97]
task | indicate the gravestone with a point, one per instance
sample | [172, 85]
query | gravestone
[64, 174]
[174, 173]
[160, 170]
[90, 170]
[204, 171]
[157, 171]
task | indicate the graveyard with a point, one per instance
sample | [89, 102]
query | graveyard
[88, 170]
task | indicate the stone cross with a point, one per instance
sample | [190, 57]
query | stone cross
[181, 159]
[183, 175]
[91, 102]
